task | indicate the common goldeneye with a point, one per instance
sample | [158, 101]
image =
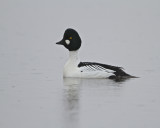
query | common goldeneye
[75, 68]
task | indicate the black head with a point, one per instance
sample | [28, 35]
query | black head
[71, 40]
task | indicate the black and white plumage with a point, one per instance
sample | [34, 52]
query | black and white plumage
[93, 66]
[74, 68]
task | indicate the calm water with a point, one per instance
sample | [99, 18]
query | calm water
[33, 93]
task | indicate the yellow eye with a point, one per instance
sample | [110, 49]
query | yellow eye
[70, 37]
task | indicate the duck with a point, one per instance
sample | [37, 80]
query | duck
[74, 68]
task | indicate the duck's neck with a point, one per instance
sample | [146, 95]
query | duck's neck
[73, 57]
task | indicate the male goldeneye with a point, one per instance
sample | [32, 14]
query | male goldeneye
[74, 68]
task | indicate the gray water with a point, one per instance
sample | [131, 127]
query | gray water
[33, 93]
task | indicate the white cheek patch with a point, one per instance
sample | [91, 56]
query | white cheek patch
[67, 42]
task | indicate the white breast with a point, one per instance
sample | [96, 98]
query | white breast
[70, 68]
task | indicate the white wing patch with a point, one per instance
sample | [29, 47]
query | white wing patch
[92, 68]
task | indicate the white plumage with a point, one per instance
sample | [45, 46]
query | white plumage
[71, 68]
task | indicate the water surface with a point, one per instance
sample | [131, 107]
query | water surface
[33, 93]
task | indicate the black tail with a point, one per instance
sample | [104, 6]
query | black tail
[120, 75]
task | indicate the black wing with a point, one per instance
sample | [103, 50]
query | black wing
[93, 65]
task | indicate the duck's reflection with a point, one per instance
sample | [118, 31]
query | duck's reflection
[104, 88]
[71, 101]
